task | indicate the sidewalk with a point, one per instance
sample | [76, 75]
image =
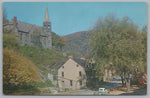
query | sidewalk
[134, 90]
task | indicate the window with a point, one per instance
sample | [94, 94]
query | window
[80, 83]
[62, 66]
[70, 82]
[20, 36]
[80, 74]
[77, 65]
[45, 41]
[48, 27]
[26, 38]
[62, 74]
[31, 38]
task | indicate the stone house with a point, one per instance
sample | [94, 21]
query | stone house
[72, 74]
[26, 32]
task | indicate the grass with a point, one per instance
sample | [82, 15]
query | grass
[44, 59]
[42, 56]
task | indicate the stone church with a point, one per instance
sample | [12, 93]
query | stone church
[27, 32]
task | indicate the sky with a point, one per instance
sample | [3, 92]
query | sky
[70, 17]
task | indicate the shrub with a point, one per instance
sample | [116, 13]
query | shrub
[17, 70]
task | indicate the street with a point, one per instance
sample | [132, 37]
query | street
[108, 85]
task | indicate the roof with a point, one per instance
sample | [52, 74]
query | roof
[26, 27]
[80, 62]
[21, 26]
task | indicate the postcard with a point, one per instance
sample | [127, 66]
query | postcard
[75, 48]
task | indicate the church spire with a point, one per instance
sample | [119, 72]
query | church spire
[46, 15]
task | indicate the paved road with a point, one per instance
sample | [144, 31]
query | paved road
[109, 85]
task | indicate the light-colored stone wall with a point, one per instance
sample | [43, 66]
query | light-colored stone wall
[71, 72]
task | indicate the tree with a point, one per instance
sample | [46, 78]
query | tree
[118, 42]
[4, 15]
[61, 42]
[17, 70]
[58, 41]
[10, 41]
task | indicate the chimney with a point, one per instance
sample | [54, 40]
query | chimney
[15, 21]
[82, 58]
[70, 57]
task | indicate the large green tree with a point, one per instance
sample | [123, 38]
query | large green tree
[118, 43]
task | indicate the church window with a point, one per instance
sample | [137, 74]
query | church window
[48, 27]
[45, 41]
[70, 82]
[20, 36]
[26, 38]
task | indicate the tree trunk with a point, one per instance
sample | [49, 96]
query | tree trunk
[123, 84]
[127, 80]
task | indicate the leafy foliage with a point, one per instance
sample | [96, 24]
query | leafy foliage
[10, 41]
[42, 84]
[17, 69]
[20, 65]
[77, 44]
[118, 42]
[4, 15]
[42, 57]
[58, 41]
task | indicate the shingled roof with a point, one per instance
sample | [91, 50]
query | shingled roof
[80, 62]
[25, 27]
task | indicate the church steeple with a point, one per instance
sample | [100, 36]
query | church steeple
[46, 15]
[47, 40]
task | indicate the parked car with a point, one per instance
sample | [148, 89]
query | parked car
[102, 91]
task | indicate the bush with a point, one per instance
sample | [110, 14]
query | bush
[17, 70]
[46, 83]
[10, 41]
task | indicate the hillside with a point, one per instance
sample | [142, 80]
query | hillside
[77, 44]
[44, 59]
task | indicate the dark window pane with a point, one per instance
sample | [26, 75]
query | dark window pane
[70, 82]
[80, 74]
[62, 74]
[80, 83]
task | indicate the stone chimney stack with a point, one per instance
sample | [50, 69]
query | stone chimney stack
[70, 57]
[15, 21]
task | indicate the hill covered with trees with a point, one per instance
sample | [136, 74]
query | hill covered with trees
[77, 44]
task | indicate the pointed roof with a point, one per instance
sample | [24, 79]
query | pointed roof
[46, 15]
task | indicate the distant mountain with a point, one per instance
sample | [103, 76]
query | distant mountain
[77, 44]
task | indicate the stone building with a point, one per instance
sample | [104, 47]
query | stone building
[27, 32]
[72, 75]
